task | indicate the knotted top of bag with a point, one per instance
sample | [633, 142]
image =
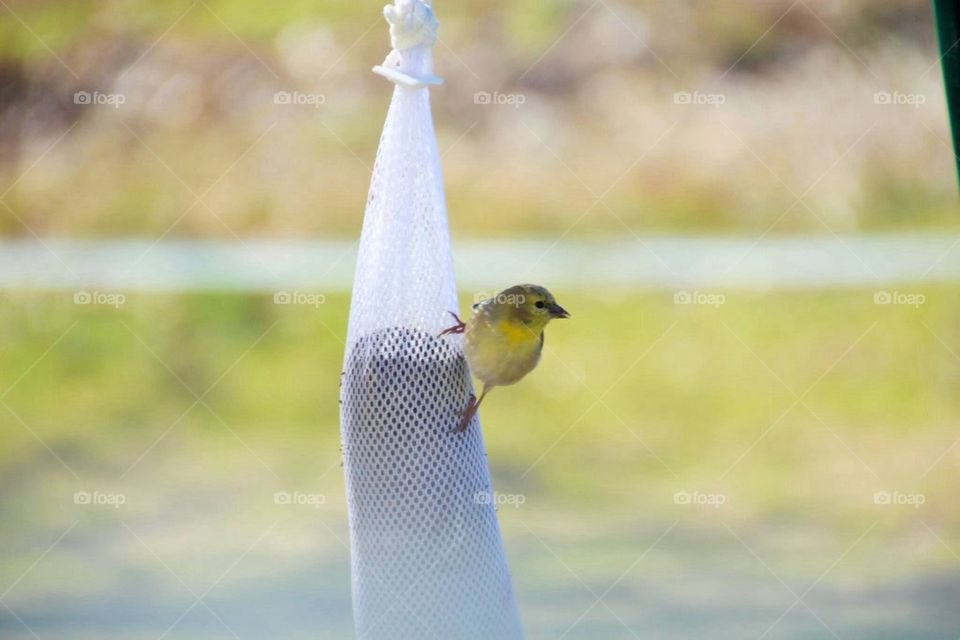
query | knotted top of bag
[411, 23]
[412, 26]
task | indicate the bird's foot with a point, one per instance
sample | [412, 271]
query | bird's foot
[460, 327]
[467, 414]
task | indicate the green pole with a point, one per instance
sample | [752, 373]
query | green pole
[947, 15]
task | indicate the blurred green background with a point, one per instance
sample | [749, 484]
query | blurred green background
[817, 417]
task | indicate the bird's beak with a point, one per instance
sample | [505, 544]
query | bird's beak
[558, 312]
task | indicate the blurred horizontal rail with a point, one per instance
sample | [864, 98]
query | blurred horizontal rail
[660, 262]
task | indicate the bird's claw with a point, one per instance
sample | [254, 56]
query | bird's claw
[460, 327]
[467, 414]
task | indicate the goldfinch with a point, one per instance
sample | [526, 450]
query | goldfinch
[504, 338]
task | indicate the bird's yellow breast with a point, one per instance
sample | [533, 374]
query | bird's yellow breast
[517, 334]
[501, 350]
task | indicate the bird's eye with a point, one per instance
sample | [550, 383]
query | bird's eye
[538, 304]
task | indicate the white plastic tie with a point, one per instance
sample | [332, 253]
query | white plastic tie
[412, 25]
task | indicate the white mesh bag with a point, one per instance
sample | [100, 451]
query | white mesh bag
[426, 554]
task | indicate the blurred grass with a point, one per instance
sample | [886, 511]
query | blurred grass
[636, 398]
[58, 22]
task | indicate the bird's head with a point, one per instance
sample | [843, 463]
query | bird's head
[531, 304]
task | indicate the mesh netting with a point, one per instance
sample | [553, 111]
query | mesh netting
[427, 558]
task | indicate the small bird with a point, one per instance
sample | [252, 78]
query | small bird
[504, 338]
